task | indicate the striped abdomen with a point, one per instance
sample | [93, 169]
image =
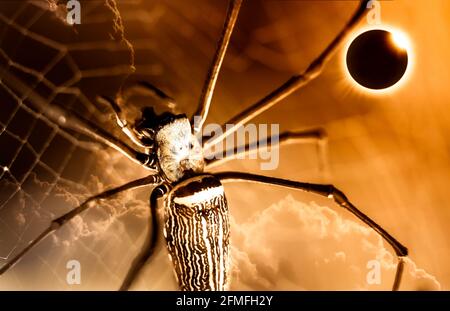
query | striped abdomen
[197, 232]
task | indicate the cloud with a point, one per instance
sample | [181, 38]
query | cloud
[297, 246]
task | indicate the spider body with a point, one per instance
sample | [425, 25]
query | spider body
[196, 226]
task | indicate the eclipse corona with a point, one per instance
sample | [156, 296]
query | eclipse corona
[378, 59]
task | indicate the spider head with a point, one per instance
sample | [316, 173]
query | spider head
[178, 150]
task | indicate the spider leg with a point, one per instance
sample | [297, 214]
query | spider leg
[214, 69]
[149, 246]
[316, 135]
[72, 121]
[121, 121]
[141, 87]
[146, 88]
[333, 193]
[62, 220]
[295, 82]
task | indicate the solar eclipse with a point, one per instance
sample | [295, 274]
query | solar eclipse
[377, 59]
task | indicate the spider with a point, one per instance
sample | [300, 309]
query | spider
[196, 225]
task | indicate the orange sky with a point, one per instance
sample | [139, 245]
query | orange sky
[388, 152]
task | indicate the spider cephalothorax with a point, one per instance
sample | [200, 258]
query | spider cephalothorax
[178, 150]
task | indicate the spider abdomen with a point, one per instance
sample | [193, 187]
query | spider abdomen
[197, 233]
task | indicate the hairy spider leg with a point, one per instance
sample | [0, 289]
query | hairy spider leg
[146, 88]
[214, 69]
[149, 246]
[338, 196]
[122, 123]
[62, 220]
[292, 84]
[317, 136]
[72, 121]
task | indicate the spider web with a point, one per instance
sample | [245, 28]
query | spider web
[40, 174]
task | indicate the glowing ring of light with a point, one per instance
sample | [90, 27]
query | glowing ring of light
[400, 39]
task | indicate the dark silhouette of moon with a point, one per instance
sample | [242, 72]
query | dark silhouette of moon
[375, 61]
